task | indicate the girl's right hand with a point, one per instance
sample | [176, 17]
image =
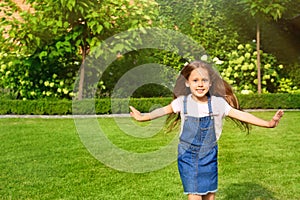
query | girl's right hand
[159, 112]
[135, 114]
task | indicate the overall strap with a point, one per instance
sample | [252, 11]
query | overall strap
[185, 105]
[209, 106]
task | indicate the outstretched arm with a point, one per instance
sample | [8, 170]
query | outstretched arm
[152, 115]
[249, 118]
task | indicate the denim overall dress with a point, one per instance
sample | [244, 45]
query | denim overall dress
[197, 153]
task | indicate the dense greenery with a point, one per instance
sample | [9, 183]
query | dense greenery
[115, 106]
[239, 70]
[43, 52]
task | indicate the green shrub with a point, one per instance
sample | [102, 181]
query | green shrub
[35, 107]
[240, 70]
[270, 101]
[115, 106]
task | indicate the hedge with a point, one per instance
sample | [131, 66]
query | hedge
[108, 106]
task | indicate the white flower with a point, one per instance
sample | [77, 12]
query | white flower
[204, 57]
[215, 59]
[48, 93]
[218, 61]
[240, 47]
[65, 91]
[245, 92]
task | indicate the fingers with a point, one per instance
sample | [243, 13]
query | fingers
[133, 110]
[275, 120]
[278, 115]
[134, 113]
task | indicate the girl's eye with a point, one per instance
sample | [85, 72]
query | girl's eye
[205, 80]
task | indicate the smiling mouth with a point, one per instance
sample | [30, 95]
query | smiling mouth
[200, 90]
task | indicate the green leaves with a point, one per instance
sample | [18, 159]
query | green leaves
[266, 8]
[240, 70]
[43, 54]
[56, 37]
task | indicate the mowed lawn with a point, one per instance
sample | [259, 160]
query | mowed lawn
[45, 159]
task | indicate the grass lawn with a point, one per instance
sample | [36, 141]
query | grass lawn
[45, 159]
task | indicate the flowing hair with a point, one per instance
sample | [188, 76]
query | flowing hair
[219, 88]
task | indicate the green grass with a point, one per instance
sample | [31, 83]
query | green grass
[45, 159]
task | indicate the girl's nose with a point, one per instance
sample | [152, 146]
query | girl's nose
[200, 83]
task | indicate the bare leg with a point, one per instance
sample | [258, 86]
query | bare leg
[194, 197]
[209, 196]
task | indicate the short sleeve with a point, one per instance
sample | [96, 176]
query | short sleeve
[221, 106]
[227, 108]
[177, 105]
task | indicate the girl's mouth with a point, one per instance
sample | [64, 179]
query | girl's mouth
[200, 90]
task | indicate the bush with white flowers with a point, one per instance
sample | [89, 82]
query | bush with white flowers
[239, 69]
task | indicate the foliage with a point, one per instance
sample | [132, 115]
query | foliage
[28, 78]
[269, 101]
[244, 14]
[42, 51]
[207, 27]
[266, 8]
[204, 22]
[287, 85]
[278, 37]
[105, 105]
[239, 69]
[177, 14]
[55, 38]
[293, 72]
[123, 65]
[36, 107]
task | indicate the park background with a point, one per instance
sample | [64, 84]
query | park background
[45, 43]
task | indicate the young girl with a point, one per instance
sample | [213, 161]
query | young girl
[203, 99]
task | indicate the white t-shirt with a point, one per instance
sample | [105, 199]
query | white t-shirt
[220, 109]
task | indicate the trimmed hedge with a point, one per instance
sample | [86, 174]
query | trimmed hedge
[270, 101]
[108, 106]
[35, 107]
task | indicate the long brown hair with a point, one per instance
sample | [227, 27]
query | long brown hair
[219, 88]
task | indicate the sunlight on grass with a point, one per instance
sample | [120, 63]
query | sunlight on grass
[45, 159]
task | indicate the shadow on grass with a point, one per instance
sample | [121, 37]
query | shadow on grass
[248, 191]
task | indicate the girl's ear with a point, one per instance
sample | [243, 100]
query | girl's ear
[187, 84]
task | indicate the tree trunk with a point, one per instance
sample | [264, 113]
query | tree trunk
[258, 59]
[81, 77]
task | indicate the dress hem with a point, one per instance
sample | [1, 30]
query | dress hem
[199, 193]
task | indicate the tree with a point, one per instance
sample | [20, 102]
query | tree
[263, 10]
[68, 30]
[202, 20]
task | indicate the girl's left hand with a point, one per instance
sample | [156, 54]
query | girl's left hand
[275, 120]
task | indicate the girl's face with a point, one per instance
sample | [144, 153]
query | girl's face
[199, 83]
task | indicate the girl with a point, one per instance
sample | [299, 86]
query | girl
[203, 99]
